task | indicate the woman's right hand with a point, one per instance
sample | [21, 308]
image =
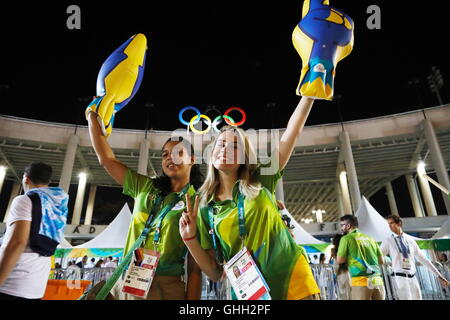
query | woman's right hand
[188, 219]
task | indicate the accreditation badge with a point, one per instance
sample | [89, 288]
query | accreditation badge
[245, 277]
[406, 263]
[141, 272]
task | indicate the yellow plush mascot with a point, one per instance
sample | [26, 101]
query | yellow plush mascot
[118, 80]
[323, 37]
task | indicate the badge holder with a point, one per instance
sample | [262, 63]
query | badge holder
[406, 264]
[140, 274]
[245, 277]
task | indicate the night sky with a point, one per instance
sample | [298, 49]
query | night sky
[222, 53]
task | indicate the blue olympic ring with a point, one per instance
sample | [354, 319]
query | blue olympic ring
[180, 115]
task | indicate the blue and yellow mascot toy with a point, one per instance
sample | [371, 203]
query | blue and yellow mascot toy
[118, 80]
[323, 37]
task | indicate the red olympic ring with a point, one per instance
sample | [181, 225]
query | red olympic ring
[240, 123]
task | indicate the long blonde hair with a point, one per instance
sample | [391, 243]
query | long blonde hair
[248, 185]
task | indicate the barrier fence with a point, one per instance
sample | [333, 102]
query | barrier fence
[430, 286]
[324, 274]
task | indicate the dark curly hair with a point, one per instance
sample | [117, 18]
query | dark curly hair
[163, 182]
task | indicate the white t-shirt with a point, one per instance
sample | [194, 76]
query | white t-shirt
[29, 277]
[111, 264]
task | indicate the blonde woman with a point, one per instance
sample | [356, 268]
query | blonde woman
[234, 180]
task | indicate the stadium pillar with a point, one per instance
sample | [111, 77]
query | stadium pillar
[90, 206]
[143, 157]
[413, 193]
[69, 160]
[391, 199]
[426, 191]
[339, 200]
[79, 199]
[345, 193]
[350, 169]
[2, 177]
[279, 191]
[438, 160]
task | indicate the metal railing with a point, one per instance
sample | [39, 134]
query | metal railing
[75, 273]
[220, 290]
[326, 279]
[324, 274]
[430, 286]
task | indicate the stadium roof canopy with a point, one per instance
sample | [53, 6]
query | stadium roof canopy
[384, 149]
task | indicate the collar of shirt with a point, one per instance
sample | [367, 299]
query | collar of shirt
[235, 194]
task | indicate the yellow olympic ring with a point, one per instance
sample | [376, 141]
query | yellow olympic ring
[208, 122]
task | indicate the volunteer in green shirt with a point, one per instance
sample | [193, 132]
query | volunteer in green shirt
[364, 258]
[178, 171]
[232, 175]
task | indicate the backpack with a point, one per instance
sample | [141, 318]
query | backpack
[39, 243]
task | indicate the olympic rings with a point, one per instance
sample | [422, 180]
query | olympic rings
[240, 123]
[208, 122]
[218, 120]
[180, 115]
[196, 119]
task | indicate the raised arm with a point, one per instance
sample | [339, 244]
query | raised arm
[293, 130]
[105, 155]
[429, 265]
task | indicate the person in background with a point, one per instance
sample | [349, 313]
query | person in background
[364, 259]
[341, 270]
[99, 264]
[315, 259]
[90, 264]
[83, 262]
[404, 252]
[110, 263]
[322, 258]
[34, 228]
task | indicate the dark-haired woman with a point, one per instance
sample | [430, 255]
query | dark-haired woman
[151, 195]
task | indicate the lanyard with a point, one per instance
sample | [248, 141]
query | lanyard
[241, 220]
[405, 243]
[241, 217]
[165, 211]
[103, 292]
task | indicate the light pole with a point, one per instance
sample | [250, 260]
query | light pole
[3, 170]
[436, 82]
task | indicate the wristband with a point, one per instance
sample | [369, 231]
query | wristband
[189, 239]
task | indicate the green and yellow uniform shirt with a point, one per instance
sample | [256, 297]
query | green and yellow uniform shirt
[304, 253]
[171, 246]
[278, 257]
[361, 252]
